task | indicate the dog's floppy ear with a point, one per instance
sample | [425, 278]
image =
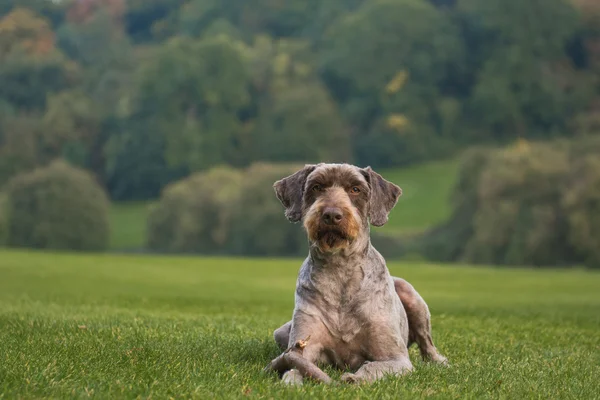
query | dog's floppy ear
[384, 196]
[290, 190]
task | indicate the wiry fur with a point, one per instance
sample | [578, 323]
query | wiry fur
[356, 314]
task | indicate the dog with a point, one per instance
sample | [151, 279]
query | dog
[357, 316]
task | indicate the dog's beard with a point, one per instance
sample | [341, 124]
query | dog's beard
[332, 239]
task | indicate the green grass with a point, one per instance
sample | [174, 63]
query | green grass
[128, 225]
[425, 200]
[108, 326]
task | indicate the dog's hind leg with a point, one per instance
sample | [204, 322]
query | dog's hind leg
[419, 321]
[282, 335]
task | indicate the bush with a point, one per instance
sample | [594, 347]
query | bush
[518, 219]
[225, 211]
[533, 204]
[581, 201]
[259, 226]
[3, 220]
[57, 207]
[194, 214]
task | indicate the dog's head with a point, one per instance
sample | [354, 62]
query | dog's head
[336, 202]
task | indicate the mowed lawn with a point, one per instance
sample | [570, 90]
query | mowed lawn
[128, 225]
[108, 326]
[426, 195]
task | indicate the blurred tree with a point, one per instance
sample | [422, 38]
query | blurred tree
[194, 214]
[183, 116]
[526, 85]
[19, 144]
[30, 65]
[195, 90]
[23, 31]
[54, 11]
[280, 18]
[71, 125]
[528, 204]
[265, 231]
[96, 40]
[3, 220]
[296, 119]
[146, 19]
[581, 200]
[57, 207]
[82, 11]
[415, 46]
[191, 218]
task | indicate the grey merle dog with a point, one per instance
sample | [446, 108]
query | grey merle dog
[354, 313]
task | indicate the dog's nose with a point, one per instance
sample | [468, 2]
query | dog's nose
[332, 216]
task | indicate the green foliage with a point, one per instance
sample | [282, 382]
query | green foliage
[532, 204]
[30, 65]
[225, 211]
[145, 92]
[296, 117]
[526, 86]
[401, 35]
[258, 226]
[518, 219]
[415, 46]
[57, 207]
[194, 215]
[581, 200]
[142, 327]
[19, 144]
[3, 219]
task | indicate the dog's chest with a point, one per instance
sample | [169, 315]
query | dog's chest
[343, 301]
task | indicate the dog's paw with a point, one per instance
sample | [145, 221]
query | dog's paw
[441, 360]
[293, 377]
[350, 378]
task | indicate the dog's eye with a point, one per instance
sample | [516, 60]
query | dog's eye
[317, 188]
[355, 190]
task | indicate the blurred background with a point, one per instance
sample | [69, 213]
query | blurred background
[161, 125]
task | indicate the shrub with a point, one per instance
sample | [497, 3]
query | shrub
[194, 214]
[259, 226]
[57, 207]
[3, 220]
[581, 201]
[225, 211]
[533, 204]
[518, 219]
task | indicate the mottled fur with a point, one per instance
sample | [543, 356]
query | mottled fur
[357, 315]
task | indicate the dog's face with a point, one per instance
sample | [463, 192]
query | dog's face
[336, 202]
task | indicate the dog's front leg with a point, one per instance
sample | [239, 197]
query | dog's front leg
[310, 354]
[296, 364]
[305, 326]
[374, 370]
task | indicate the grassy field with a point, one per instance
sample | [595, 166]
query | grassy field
[424, 203]
[128, 225]
[425, 199]
[108, 326]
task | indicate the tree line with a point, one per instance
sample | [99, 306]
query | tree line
[144, 92]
